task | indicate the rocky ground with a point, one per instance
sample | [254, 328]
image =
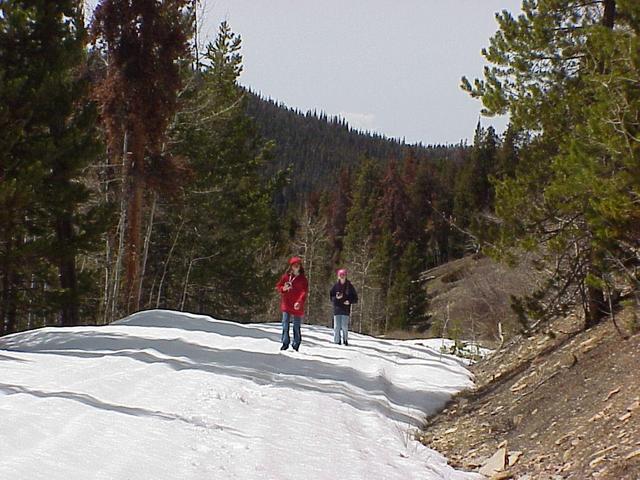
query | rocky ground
[564, 404]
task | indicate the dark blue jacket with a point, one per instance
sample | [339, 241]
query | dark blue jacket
[348, 293]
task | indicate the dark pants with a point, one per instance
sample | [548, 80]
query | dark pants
[297, 336]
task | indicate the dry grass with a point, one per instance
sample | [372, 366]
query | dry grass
[471, 298]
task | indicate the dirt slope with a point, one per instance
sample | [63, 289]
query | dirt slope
[469, 297]
[563, 407]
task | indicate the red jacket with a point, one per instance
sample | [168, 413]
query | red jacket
[296, 294]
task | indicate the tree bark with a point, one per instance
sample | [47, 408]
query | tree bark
[69, 315]
[147, 241]
[6, 283]
[595, 302]
[134, 219]
[596, 307]
[609, 16]
[8, 320]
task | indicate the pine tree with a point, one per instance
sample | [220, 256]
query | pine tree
[384, 269]
[393, 211]
[563, 72]
[213, 249]
[473, 190]
[145, 44]
[407, 296]
[338, 209]
[42, 49]
[359, 241]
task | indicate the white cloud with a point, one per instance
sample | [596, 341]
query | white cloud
[359, 121]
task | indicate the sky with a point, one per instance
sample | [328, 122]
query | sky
[388, 66]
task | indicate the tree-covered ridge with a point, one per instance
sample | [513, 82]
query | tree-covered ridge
[389, 220]
[199, 209]
[187, 219]
[317, 146]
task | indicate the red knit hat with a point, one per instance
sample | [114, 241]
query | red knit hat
[294, 260]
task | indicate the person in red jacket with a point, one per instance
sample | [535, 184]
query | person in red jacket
[293, 288]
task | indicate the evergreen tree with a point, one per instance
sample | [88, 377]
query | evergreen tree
[49, 137]
[144, 43]
[563, 73]
[473, 190]
[393, 211]
[338, 209]
[216, 234]
[359, 244]
[407, 296]
[384, 269]
[318, 147]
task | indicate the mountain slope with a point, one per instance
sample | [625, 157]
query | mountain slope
[167, 395]
[564, 404]
[317, 147]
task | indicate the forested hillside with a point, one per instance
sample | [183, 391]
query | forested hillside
[317, 146]
[167, 184]
[132, 180]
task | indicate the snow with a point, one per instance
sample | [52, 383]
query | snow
[169, 395]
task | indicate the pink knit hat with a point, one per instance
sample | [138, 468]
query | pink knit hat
[342, 271]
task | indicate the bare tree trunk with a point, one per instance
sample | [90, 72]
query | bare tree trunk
[147, 241]
[595, 302]
[118, 263]
[30, 314]
[166, 264]
[107, 279]
[609, 16]
[595, 306]
[386, 307]
[362, 302]
[186, 280]
[120, 230]
[134, 218]
[6, 281]
[67, 267]
[151, 290]
[12, 304]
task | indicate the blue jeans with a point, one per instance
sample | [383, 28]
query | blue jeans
[297, 336]
[340, 324]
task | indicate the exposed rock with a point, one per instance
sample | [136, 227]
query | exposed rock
[633, 455]
[516, 388]
[603, 451]
[564, 438]
[502, 476]
[513, 458]
[495, 463]
[625, 417]
[612, 393]
[588, 345]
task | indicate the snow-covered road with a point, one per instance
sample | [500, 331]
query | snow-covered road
[168, 395]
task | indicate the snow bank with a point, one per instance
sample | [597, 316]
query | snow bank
[168, 395]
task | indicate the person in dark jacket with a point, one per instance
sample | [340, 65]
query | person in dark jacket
[343, 295]
[293, 288]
